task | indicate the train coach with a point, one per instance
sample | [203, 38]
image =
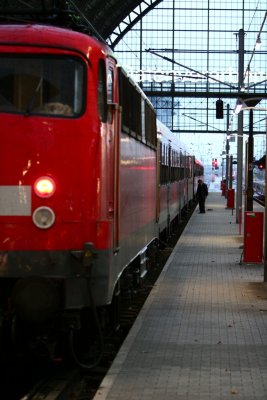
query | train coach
[88, 181]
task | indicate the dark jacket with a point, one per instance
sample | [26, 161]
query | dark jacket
[202, 190]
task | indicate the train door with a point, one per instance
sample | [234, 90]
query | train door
[158, 180]
[186, 179]
[169, 190]
[114, 123]
[183, 187]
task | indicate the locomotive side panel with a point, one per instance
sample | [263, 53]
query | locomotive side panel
[136, 195]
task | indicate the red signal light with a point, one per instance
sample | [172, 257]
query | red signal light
[44, 187]
[261, 163]
[216, 166]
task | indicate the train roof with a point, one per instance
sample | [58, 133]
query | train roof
[33, 34]
[168, 135]
[198, 162]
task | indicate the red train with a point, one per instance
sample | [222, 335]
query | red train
[88, 181]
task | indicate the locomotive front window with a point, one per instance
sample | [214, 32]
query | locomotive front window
[42, 85]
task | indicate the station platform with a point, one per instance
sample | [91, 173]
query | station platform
[202, 333]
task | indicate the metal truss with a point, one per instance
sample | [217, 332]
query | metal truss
[135, 16]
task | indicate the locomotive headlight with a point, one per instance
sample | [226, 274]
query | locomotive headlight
[44, 187]
[43, 217]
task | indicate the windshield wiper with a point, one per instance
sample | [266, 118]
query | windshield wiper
[33, 97]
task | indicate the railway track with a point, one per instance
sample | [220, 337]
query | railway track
[60, 386]
[259, 200]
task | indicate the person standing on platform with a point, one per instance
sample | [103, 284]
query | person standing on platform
[202, 193]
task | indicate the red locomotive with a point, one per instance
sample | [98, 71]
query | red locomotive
[87, 180]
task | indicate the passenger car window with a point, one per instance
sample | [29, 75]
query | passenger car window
[110, 86]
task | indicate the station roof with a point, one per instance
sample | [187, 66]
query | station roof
[106, 16]
[102, 17]
[112, 19]
[189, 74]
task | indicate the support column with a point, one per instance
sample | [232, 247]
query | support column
[227, 148]
[241, 35]
[249, 194]
[265, 219]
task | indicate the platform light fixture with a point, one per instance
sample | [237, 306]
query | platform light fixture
[248, 104]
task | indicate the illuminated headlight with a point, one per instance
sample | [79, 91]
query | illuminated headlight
[43, 217]
[44, 187]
